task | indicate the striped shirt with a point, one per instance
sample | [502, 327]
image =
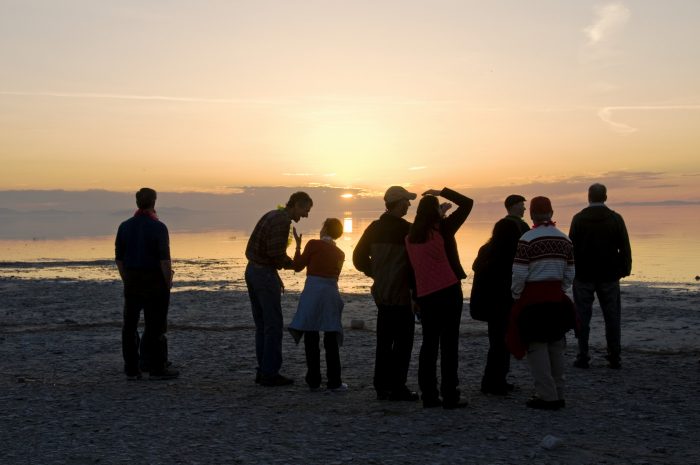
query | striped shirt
[544, 254]
[268, 242]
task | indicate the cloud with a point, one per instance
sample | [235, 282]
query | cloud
[166, 98]
[417, 168]
[609, 19]
[605, 114]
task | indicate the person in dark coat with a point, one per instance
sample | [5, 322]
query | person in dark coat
[603, 256]
[142, 255]
[381, 254]
[493, 281]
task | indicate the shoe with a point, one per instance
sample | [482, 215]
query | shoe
[342, 388]
[509, 387]
[562, 403]
[432, 402]
[404, 395]
[613, 363]
[540, 404]
[582, 362]
[133, 375]
[454, 404]
[257, 377]
[165, 373]
[276, 380]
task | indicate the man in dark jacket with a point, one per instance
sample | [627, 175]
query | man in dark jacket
[495, 282]
[142, 253]
[603, 256]
[381, 254]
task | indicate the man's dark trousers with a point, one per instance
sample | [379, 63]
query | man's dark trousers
[395, 330]
[145, 290]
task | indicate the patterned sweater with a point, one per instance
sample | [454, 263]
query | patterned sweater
[544, 254]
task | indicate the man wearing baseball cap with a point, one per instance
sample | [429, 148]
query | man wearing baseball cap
[381, 254]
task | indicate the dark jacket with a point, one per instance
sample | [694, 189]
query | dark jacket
[381, 254]
[601, 245]
[493, 269]
[141, 243]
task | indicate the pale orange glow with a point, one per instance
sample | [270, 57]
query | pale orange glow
[347, 196]
[224, 95]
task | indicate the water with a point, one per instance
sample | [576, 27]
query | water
[665, 248]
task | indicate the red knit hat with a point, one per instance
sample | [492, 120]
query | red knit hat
[540, 206]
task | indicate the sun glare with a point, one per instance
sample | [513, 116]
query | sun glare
[347, 196]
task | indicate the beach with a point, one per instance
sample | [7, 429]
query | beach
[64, 398]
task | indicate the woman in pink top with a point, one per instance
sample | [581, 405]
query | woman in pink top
[432, 250]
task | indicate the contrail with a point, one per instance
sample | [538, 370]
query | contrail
[89, 95]
[605, 114]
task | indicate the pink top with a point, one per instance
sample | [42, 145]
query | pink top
[430, 265]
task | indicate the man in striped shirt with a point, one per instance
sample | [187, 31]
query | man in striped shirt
[543, 269]
[266, 253]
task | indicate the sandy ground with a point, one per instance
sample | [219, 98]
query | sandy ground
[64, 399]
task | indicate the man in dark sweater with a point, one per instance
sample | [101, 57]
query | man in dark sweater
[496, 288]
[603, 256]
[381, 254]
[142, 253]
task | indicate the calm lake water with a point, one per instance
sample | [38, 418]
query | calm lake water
[665, 249]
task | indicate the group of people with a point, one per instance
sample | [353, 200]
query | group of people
[520, 283]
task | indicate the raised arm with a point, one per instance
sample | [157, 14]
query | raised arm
[464, 206]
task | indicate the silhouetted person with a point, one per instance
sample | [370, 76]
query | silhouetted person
[142, 251]
[543, 270]
[381, 254]
[492, 281]
[603, 257]
[320, 305]
[267, 252]
[432, 250]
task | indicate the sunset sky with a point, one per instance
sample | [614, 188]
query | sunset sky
[215, 95]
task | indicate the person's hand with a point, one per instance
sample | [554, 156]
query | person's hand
[297, 237]
[444, 207]
[434, 192]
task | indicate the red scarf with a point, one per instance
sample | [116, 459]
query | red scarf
[150, 214]
[544, 223]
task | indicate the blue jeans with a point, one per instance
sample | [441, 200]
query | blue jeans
[265, 290]
[609, 298]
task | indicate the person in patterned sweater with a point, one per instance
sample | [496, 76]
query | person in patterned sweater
[543, 270]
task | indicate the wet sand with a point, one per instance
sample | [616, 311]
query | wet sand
[64, 399]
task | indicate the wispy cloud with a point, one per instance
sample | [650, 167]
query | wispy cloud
[609, 19]
[417, 168]
[605, 114]
[167, 98]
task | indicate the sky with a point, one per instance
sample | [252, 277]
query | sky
[216, 96]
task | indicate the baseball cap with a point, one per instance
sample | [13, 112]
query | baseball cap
[395, 193]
